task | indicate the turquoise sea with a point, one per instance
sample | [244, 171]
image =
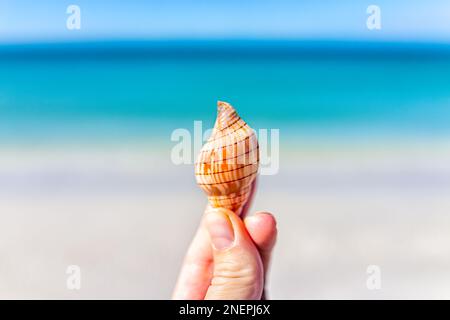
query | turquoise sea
[130, 89]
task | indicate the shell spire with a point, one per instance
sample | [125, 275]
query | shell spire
[225, 115]
[228, 162]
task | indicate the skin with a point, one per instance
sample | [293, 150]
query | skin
[228, 257]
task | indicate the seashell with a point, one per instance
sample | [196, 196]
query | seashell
[228, 162]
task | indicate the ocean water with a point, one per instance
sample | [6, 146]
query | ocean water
[127, 90]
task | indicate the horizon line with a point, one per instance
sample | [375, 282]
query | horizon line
[324, 40]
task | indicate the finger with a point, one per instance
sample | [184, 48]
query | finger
[262, 228]
[263, 231]
[238, 270]
[196, 271]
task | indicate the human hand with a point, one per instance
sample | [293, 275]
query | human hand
[228, 257]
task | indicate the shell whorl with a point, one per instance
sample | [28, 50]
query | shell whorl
[228, 162]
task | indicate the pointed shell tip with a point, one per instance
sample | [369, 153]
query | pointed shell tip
[221, 104]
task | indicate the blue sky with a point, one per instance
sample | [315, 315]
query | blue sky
[45, 20]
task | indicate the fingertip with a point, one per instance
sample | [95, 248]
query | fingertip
[268, 218]
[220, 229]
[262, 227]
[262, 219]
[237, 224]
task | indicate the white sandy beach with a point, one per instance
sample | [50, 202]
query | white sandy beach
[126, 216]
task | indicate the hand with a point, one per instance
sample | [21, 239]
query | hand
[228, 257]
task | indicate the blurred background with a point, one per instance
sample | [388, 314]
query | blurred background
[86, 117]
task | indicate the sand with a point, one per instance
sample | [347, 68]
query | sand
[126, 216]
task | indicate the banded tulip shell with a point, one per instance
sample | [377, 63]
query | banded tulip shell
[228, 162]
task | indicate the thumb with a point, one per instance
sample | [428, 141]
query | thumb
[238, 271]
